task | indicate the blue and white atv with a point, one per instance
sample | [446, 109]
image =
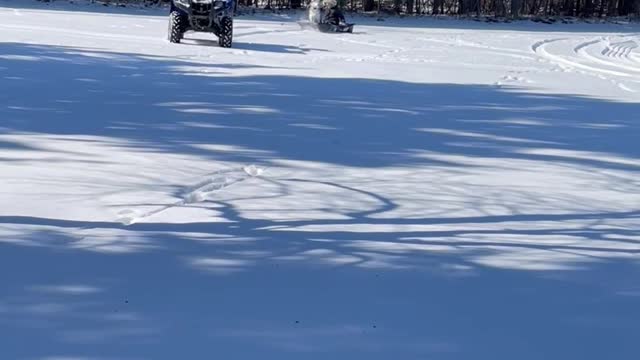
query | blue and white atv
[212, 16]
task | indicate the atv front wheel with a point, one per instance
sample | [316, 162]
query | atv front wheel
[176, 27]
[226, 34]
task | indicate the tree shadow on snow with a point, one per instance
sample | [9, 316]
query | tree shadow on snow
[167, 290]
[250, 287]
[260, 47]
[278, 115]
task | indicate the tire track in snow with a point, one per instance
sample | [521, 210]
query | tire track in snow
[620, 50]
[264, 31]
[582, 51]
[540, 48]
[118, 37]
[384, 56]
[84, 34]
[517, 54]
[512, 78]
[366, 43]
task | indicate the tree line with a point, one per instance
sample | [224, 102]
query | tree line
[497, 8]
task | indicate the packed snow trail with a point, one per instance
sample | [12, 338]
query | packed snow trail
[436, 189]
[200, 192]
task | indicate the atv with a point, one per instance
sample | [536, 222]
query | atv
[212, 16]
[325, 16]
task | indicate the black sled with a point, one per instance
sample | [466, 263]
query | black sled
[332, 28]
[325, 16]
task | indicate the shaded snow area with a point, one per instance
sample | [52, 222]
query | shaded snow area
[419, 189]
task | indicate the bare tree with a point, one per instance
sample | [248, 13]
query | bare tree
[499, 8]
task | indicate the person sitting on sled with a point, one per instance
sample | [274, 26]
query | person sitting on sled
[334, 15]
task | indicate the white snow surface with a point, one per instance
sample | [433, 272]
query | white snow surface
[420, 189]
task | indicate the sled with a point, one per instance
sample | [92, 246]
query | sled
[323, 18]
[327, 28]
[340, 28]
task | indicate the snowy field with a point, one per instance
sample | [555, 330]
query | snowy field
[420, 189]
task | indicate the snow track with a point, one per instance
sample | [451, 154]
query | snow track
[616, 58]
[541, 48]
[70, 33]
[620, 49]
[199, 192]
[596, 57]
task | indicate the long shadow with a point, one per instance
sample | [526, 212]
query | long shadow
[260, 47]
[251, 288]
[212, 289]
[274, 116]
[360, 218]
[248, 291]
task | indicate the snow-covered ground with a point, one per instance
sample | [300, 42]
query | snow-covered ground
[432, 189]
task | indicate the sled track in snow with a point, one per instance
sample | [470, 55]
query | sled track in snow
[119, 37]
[213, 183]
[613, 63]
[513, 53]
[618, 58]
[620, 49]
[84, 34]
[540, 48]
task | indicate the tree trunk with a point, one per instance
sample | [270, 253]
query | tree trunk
[368, 5]
[436, 7]
[587, 9]
[515, 8]
[629, 7]
[397, 6]
[501, 8]
[603, 4]
[465, 6]
[567, 8]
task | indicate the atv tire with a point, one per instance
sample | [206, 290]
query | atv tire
[225, 39]
[176, 27]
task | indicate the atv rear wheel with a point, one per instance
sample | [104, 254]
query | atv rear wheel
[226, 34]
[176, 27]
